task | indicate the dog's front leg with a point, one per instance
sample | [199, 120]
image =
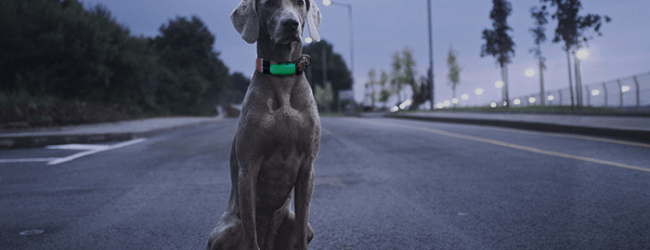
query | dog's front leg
[247, 186]
[304, 190]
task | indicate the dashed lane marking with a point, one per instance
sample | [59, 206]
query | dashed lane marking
[88, 150]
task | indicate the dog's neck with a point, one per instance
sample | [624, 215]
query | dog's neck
[269, 50]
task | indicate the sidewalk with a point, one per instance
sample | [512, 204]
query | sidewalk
[634, 128]
[91, 133]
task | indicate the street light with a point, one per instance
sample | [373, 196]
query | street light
[551, 97]
[493, 104]
[625, 89]
[464, 97]
[498, 84]
[595, 92]
[530, 72]
[454, 101]
[532, 100]
[446, 103]
[308, 40]
[328, 3]
[517, 101]
[582, 54]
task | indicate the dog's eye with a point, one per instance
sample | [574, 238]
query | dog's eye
[301, 3]
[269, 3]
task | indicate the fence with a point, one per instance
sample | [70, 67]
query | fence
[630, 93]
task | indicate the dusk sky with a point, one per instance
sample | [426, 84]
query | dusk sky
[383, 27]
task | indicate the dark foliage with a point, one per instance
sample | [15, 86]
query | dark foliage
[58, 50]
[337, 71]
[497, 41]
[191, 76]
[572, 28]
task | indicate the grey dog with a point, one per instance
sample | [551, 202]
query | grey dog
[277, 137]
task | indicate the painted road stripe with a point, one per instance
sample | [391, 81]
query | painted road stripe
[27, 160]
[78, 147]
[582, 137]
[520, 147]
[94, 151]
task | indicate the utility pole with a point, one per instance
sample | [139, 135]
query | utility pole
[430, 73]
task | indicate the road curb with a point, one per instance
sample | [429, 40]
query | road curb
[636, 135]
[33, 141]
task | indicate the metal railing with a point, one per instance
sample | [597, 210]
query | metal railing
[630, 93]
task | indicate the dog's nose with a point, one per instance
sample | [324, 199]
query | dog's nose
[290, 24]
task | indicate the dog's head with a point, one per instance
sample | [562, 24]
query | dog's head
[283, 20]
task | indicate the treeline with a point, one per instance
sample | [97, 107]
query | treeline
[60, 50]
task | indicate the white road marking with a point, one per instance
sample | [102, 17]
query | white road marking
[78, 147]
[27, 160]
[94, 151]
[89, 149]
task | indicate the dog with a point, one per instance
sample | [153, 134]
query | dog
[277, 137]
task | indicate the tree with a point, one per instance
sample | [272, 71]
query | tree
[384, 93]
[338, 73]
[396, 81]
[497, 41]
[540, 14]
[370, 86]
[59, 49]
[454, 70]
[192, 76]
[324, 97]
[572, 30]
[404, 73]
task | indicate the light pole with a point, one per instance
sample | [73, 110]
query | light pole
[499, 86]
[581, 54]
[478, 92]
[328, 3]
[430, 73]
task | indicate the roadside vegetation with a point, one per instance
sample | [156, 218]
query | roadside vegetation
[66, 63]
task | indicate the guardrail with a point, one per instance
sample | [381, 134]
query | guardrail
[630, 93]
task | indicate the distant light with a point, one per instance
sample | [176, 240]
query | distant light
[530, 72]
[394, 109]
[532, 99]
[308, 40]
[493, 104]
[440, 105]
[517, 101]
[505, 103]
[464, 97]
[327, 2]
[625, 89]
[582, 54]
[446, 103]
[498, 84]
[595, 92]
[479, 91]
[551, 97]
[455, 100]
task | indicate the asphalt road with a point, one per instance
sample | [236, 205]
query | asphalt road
[381, 184]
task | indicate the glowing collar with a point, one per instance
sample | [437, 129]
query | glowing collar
[283, 69]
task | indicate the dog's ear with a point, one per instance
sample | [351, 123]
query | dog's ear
[245, 20]
[313, 19]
